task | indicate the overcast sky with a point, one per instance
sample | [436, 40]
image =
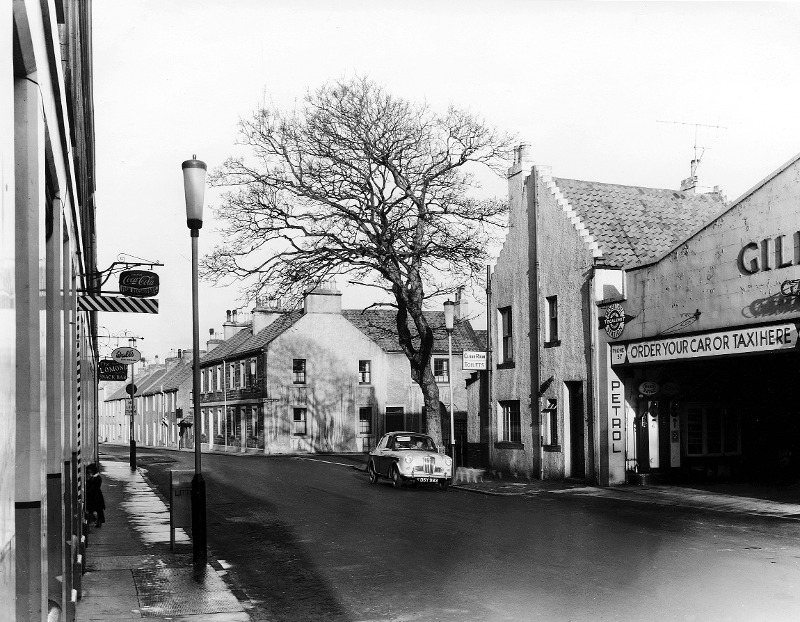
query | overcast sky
[585, 83]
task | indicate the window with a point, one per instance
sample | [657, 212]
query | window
[550, 423]
[441, 369]
[299, 421]
[218, 386]
[203, 383]
[364, 372]
[712, 430]
[509, 422]
[299, 371]
[365, 420]
[551, 328]
[241, 380]
[506, 354]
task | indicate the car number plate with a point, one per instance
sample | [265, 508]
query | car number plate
[427, 480]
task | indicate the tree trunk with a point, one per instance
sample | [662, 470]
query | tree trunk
[430, 392]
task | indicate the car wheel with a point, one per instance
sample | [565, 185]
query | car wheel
[443, 484]
[397, 481]
[373, 475]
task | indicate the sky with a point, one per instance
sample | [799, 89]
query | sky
[623, 93]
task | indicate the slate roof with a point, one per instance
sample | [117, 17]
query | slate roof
[143, 381]
[634, 225]
[172, 379]
[381, 327]
[245, 342]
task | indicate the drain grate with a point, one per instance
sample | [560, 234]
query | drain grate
[171, 591]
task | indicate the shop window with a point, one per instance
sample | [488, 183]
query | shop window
[365, 420]
[441, 369]
[299, 421]
[551, 326]
[712, 431]
[510, 428]
[550, 424]
[299, 371]
[364, 372]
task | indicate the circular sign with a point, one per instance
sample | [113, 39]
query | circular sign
[131, 389]
[615, 320]
[128, 355]
[671, 388]
[138, 283]
[648, 388]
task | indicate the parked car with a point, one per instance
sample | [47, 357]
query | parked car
[409, 457]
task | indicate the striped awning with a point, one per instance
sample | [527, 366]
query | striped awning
[117, 304]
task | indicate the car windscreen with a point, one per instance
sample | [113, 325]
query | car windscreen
[423, 443]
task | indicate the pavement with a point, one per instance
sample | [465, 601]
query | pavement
[133, 573]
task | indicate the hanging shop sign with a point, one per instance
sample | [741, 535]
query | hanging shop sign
[138, 283]
[108, 369]
[128, 355]
[731, 342]
[117, 304]
[473, 360]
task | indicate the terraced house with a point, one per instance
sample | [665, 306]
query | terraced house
[324, 379]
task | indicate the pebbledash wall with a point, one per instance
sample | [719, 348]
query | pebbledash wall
[700, 381]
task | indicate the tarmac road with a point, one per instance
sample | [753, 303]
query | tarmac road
[311, 539]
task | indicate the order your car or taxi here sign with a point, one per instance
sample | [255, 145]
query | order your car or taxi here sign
[731, 342]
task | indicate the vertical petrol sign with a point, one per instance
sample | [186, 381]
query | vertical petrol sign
[616, 424]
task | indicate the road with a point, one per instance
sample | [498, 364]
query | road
[311, 539]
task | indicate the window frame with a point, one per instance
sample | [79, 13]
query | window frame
[365, 375]
[445, 362]
[297, 374]
[505, 325]
[295, 421]
[369, 420]
[551, 321]
[550, 435]
[508, 432]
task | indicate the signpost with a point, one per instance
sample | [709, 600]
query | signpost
[475, 360]
[130, 356]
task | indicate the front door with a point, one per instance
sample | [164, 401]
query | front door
[577, 466]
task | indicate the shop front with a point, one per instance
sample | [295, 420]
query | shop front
[706, 407]
[698, 362]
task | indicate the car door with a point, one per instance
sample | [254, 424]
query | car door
[380, 457]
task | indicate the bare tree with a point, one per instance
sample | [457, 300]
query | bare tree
[359, 182]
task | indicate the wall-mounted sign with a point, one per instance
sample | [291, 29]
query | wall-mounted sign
[742, 341]
[108, 369]
[648, 388]
[614, 320]
[138, 283]
[473, 360]
[128, 355]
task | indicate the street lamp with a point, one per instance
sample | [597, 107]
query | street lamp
[132, 393]
[449, 314]
[194, 185]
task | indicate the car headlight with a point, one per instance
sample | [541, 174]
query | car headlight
[448, 460]
[408, 459]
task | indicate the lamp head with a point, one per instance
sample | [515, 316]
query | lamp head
[194, 187]
[449, 314]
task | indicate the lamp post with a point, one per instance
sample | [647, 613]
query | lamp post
[194, 184]
[449, 314]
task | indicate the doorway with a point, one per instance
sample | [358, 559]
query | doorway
[575, 407]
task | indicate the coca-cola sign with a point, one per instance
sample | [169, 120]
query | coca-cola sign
[138, 283]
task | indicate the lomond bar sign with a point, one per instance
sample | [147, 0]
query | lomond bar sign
[742, 341]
